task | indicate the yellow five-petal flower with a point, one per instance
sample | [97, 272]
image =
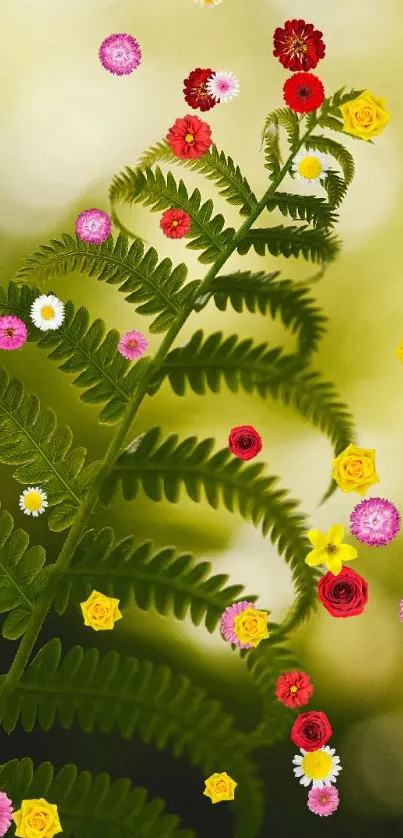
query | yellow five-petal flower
[329, 550]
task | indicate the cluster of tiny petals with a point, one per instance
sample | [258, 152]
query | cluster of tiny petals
[6, 812]
[227, 623]
[324, 801]
[13, 332]
[375, 521]
[298, 45]
[120, 54]
[196, 91]
[223, 86]
[33, 501]
[93, 226]
[133, 345]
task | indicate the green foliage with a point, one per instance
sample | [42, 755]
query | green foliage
[330, 115]
[328, 146]
[287, 119]
[336, 188]
[266, 662]
[89, 806]
[318, 245]
[305, 207]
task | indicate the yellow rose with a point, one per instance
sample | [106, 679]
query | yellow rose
[37, 819]
[250, 626]
[354, 469]
[220, 787]
[366, 116]
[100, 611]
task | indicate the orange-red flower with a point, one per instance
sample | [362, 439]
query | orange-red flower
[175, 223]
[303, 92]
[189, 137]
[294, 689]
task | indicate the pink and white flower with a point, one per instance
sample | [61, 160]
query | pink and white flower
[13, 332]
[93, 226]
[6, 811]
[227, 623]
[324, 801]
[120, 54]
[133, 345]
[223, 86]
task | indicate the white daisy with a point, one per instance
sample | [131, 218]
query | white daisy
[319, 767]
[223, 86]
[208, 2]
[47, 312]
[33, 501]
[310, 166]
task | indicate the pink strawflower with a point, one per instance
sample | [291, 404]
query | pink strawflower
[93, 226]
[13, 332]
[133, 345]
[227, 623]
[401, 611]
[6, 810]
[375, 521]
[323, 801]
[120, 54]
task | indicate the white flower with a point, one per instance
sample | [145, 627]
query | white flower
[208, 2]
[310, 166]
[223, 86]
[319, 767]
[33, 501]
[47, 312]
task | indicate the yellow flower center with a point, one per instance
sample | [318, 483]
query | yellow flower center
[293, 689]
[221, 787]
[132, 344]
[317, 765]
[310, 168]
[175, 223]
[10, 333]
[99, 610]
[47, 312]
[323, 799]
[33, 501]
[37, 820]
[189, 138]
[365, 115]
[251, 625]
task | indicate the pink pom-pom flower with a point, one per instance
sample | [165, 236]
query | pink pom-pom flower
[133, 345]
[93, 226]
[13, 332]
[120, 54]
[6, 811]
[227, 623]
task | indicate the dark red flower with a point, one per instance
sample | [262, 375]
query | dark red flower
[303, 92]
[294, 689]
[311, 731]
[345, 595]
[245, 442]
[298, 45]
[195, 89]
[175, 223]
[189, 137]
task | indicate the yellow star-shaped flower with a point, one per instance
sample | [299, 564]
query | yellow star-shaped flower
[329, 550]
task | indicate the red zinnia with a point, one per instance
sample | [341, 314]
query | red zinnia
[175, 223]
[298, 45]
[195, 89]
[294, 689]
[189, 137]
[303, 92]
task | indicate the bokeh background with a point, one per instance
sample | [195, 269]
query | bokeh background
[67, 126]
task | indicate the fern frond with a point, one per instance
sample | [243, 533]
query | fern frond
[317, 245]
[288, 120]
[266, 662]
[91, 806]
[271, 141]
[336, 188]
[305, 207]
[154, 288]
[332, 103]
[328, 146]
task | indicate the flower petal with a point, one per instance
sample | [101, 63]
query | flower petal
[335, 534]
[315, 557]
[318, 539]
[347, 552]
[334, 564]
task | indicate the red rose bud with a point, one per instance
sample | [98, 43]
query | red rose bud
[245, 442]
[311, 731]
[345, 595]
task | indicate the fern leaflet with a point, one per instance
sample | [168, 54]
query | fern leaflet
[336, 188]
[317, 245]
[328, 146]
[288, 120]
[305, 207]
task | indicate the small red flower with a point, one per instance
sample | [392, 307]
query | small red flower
[294, 689]
[303, 92]
[175, 223]
[189, 137]
[245, 442]
[311, 731]
[298, 45]
[195, 89]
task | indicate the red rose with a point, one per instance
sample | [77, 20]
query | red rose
[245, 442]
[303, 92]
[311, 731]
[345, 595]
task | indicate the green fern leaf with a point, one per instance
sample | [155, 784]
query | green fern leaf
[317, 245]
[305, 207]
[336, 188]
[272, 153]
[332, 104]
[328, 146]
[90, 806]
[288, 120]
[154, 288]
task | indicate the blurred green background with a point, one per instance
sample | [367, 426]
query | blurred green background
[67, 127]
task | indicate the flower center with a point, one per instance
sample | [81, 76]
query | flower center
[132, 344]
[47, 312]
[37, 821]
[293, 689]
[175, 223]
[9, 333]
[310, 168]
[251, 625]
[201, 92]
[99, 610]
[221, 787]
[297, 46]
[33, 501]
[365, 115]
[189, 138]
[317, 765]
[323, 799]
[245, 441]
[303, 91]
[331, 549]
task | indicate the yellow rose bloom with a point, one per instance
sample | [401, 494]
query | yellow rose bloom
[329, 550]
[250, 626]
[366, 116]
[220, 787]
[37, 819]
[354, 469]
[100, 611]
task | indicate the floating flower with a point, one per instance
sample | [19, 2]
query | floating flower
[223, 86]
[100, 612]
[311, 730]
[354, 469]
[250, 626]
[310, 166]
[294, 689]
[227, 623]
[401, 611]
[298, 45]
[345, 595]
[366, 116]
[37, 819]
[120, 54]
[329, 550]
[323, 801]
[175, 223]
[208, 3]
[13, 332]
[195, 89]
[375, 521]
[33, 501]
[133, 345]
[399, 352]
[319, 767]
[220, 787]
[6, 813]
[303, 92]
[189, 137]
[245, 442]
[93, 226]
[47, 312]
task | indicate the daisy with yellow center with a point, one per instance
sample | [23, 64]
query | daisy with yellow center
[310, 166]
[329, 550]
[208, 3]
[317, 767]
[47, 312]
[33, 501]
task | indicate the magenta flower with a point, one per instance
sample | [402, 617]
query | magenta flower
[375, 521]
[133, 345]
[120, 54]
[323, 801]
[401, 611]
[6, 810]
[93, 226]
[13, 332]
[227, 623]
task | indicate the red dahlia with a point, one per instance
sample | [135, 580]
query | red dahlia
[195, 89]
[189, 137]
[303, 92]
[175, 223]
[298, 45]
